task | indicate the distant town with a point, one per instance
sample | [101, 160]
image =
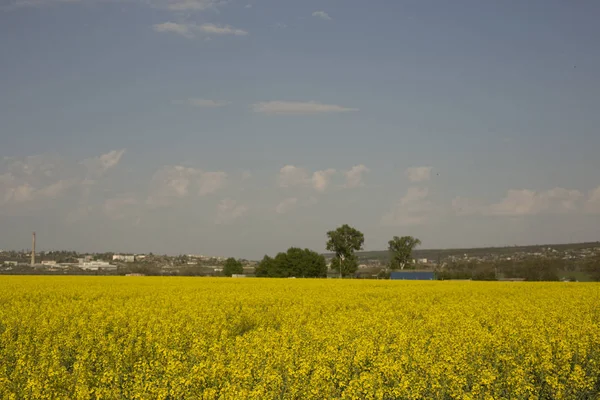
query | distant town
[579, 261]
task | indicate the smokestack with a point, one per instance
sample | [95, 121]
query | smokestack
[33, 249]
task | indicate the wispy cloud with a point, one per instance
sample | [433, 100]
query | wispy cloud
[97, 166]
[419, 174]
[523, 202]
[187, 5]
[221, 30]
[190, 31]
[43, 178]
[414, 208]
[286, 205]
[354, 177]
[291, 175]
[36, 3]
[593, 202]
[211, 182]
[171, 183]
[204, 103]
[321, 15]
[185, 30]
[229, 210]
[320, 179]
[298, 108]
[172, 5]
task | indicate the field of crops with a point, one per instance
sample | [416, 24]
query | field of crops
[209, 338]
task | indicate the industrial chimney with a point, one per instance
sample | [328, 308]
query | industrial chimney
[33, 249]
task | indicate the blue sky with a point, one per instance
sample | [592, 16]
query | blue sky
[245, 127]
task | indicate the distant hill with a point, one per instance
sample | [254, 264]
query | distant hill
[434, 254]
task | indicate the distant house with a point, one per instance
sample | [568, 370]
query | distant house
[121, 257]
[412, 275]
[97, 266]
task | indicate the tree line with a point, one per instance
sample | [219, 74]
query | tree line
[343, 242]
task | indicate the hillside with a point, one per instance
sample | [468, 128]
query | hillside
[435, 254]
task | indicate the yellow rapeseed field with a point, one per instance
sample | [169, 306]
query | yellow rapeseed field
[219, 338]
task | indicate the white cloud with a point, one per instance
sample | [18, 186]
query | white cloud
[204, 103]
[185, 30]
[188, 5]
[56, 189]
[19, 194]
[222, 30]
[290, 175]
[523, 202]
[320, 179]
[419, 174]
[286, 205]
[37, 3]
[110, 159]
[172, 5]
[321, 15]
[98, 166]
[211, 182]
[354, 177]
[229, 210]
[32, 178]
[189, 30]
[526, 202]
[593, 202]
[414, 208]
[516, 202]
[298, 108]
[171, 183]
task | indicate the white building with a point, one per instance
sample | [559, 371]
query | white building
[97, 266]
[49, 263]
[121, 257]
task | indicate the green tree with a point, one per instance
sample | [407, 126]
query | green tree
[314, 265]
[232, 266]
[344, 241]
[305, 263]
[400, 249]
[349, 265]
[295, 262]
[265, 267]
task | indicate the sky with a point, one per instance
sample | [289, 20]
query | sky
[241, 128]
